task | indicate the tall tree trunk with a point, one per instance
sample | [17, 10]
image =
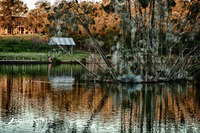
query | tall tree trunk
[152, 24]
[129, 9]
[166, 42]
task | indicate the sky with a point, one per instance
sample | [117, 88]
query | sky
[31, 3]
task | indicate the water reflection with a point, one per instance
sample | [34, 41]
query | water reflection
[42, 107]
[62, 80]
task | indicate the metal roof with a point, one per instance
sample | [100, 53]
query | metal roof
[65, 41]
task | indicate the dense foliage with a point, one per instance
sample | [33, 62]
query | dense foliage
[159, 40]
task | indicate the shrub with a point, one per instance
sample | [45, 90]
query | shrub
[56, 61]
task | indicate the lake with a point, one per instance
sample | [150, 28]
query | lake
[47, 98]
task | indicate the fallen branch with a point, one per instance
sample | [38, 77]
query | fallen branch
[81, 20]
[177, 66]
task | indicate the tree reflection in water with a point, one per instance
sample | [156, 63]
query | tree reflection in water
[39, 107]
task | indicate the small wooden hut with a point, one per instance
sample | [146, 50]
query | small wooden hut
[66, 42]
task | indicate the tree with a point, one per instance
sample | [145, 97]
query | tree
[152, 34]
[37, 18]
[11, 10]
[60, 19]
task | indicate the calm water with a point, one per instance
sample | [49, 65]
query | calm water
[44, 98]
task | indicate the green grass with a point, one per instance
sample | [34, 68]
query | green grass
[40, 56]
[78, 55]
[23, 56]
[23, 36]
[24, 43]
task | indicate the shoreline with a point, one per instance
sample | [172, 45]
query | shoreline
[35, 62]
[24, 62]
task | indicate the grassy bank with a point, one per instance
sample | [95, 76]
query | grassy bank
[42, 56]
[24, 43]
